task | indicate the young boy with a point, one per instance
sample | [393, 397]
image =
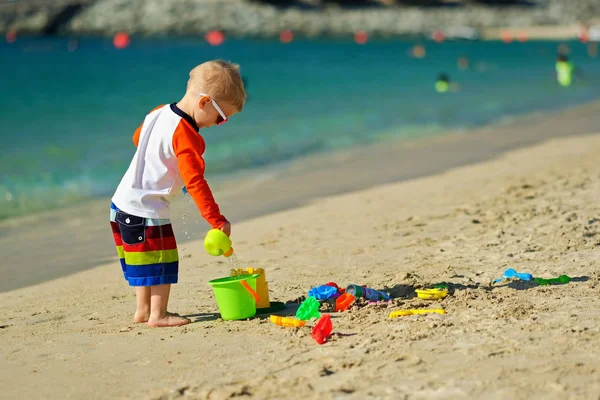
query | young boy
[169, 156]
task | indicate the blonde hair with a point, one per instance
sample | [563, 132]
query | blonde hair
[219, 79]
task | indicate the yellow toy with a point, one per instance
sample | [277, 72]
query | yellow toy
[432, 294]
[217, 243]
[262, 289]
[287, 322]
[404, 313]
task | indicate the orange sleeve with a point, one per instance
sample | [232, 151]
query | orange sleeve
[189, 147]
[136, 135]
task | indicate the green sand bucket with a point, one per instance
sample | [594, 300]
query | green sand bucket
[236, 296]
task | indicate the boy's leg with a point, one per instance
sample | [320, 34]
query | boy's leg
[142, 293]
[142, 312]
[159, 299]
[149, 258]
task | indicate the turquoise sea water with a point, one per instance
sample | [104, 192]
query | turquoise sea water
[67, 117]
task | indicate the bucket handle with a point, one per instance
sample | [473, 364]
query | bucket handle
[251, 291]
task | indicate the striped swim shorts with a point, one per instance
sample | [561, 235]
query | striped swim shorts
[146, 248]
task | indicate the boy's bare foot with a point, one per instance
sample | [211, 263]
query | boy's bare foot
[141, 316]
[159, 316]
[168, 320]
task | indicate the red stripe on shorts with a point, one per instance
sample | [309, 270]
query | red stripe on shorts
[118, 240]
[154, 232]
[152, 244]
[115, 227]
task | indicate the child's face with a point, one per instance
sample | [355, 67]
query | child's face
[212, 113]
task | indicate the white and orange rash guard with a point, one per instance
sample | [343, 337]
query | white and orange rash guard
[169, 156]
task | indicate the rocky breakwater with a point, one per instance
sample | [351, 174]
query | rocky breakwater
[245, 18]
[189, 17]
[37, 17]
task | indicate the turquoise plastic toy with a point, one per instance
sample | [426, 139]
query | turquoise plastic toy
[512, 274]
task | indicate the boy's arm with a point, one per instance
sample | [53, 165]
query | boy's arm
[189, 146]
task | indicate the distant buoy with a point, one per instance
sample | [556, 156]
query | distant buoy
[418, 51]
[11, 36]
[506, 36]
[361, 37]
[462, 62]
[121, 40]
[215, 38]
[522, 37]
[438, 36]
[286, 36]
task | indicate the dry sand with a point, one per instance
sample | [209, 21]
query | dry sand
[534, 210]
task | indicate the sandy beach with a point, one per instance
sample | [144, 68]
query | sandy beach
[533, 209]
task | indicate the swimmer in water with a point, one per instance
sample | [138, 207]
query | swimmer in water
[443, 84]
[565, 71]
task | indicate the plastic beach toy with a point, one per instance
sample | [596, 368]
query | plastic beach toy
[287, 321]
[404, 313]
[343, 302]
[308, 309]
[512, 274]
[333, 284]
[322, 329]
[236, 296]
[431, 294]
[367, 293]
[323, 292]
[262, 288]
[217, 243]
[560, 279]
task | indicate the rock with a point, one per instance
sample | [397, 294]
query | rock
[254, 19]
[29, 21]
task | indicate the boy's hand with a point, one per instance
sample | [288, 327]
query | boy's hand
[226, 228]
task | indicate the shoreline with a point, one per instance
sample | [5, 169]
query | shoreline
[37, 243]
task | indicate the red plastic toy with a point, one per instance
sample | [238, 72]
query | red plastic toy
[343, 302]
[322, 329]
[333, 284]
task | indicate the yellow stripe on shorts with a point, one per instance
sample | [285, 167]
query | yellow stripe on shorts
[152, 257]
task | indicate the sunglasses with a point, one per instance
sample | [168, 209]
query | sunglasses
[222, 118]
